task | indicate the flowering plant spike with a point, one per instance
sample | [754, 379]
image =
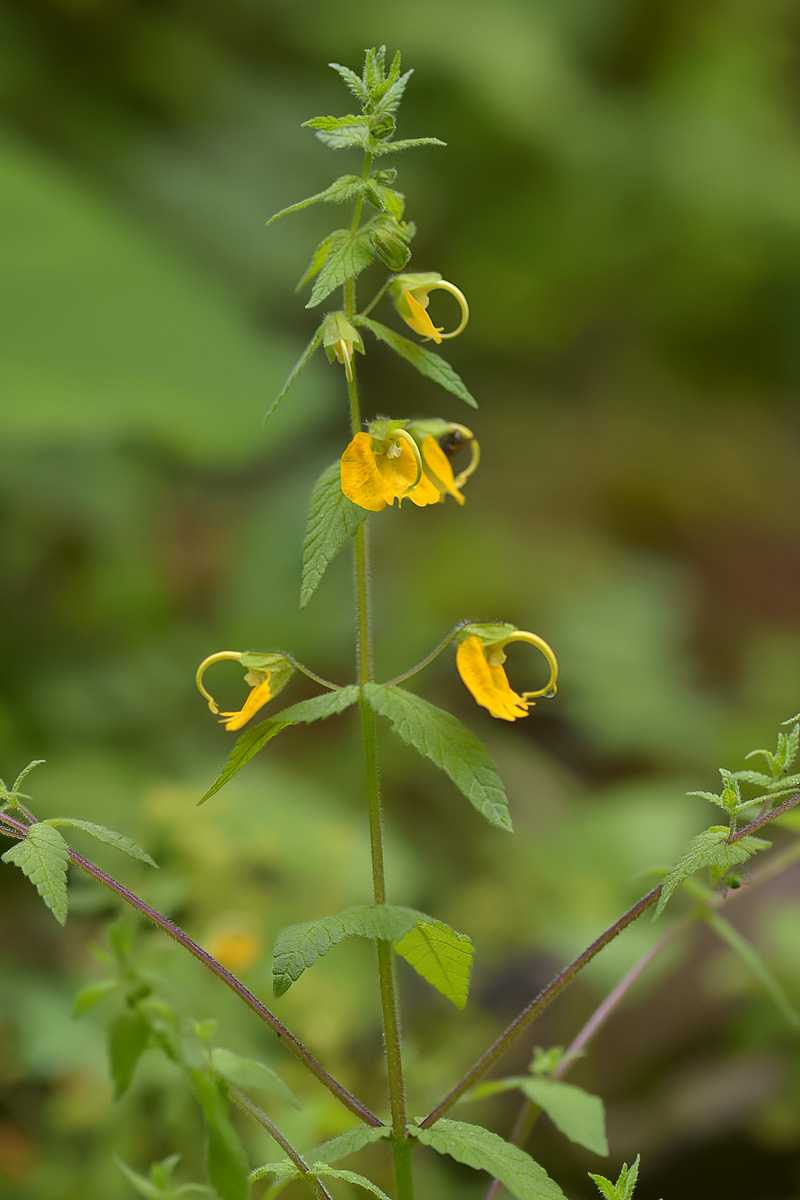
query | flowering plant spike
[386, 461]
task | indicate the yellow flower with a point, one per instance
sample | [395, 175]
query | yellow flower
[480, 658]
[411, 298]
[340, 339]
[232, 943]
[267, 675]
[394, 461]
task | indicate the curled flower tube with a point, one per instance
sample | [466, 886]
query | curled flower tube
[437, 441]
[411, 298]
[479, 660]
[267, 674]
[340, 339]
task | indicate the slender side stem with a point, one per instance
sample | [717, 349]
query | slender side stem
[390, 1009]
[278, 1028]
[246, 1104]
[312, 675]
[429, 658]
[557, 985]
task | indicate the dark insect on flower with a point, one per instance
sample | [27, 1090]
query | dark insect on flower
[452, 442]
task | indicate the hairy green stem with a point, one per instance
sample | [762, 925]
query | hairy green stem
[17, 829]
[390, 1010]
[565, 977]
[429, 658]
[246, 1104]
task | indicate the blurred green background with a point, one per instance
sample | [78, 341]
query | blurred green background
[620, 201]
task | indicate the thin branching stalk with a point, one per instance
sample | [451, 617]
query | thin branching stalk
[565, 977]
[244, 1102]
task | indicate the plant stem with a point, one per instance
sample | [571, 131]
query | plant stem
[246, 1104]
[390, 1011]
[278, 1028]
[429, 658]
[556, 985]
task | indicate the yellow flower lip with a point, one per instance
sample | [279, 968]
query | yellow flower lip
[411, 297]
[392, 461]
[267, 674]
[480, 664]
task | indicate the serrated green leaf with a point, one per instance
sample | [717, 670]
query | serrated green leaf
[624, 1187]
[442, 738]
[342, 189]
[352, 80]
[341, 133]
[321, 1171]
[252, 740]
[330, 1151]
[332, 521]
[753, 961]
[127, 1039]
[484, 1151]
[226, 1161]
[441, 956]
[578, 1114]
[320, 255]
[391, 98]
[708, 849]
[345, 259]
[251, 1074]
[295, 372]
[37, 762]
[44, 856]
[109, 836]
[431, 365]
[92, 994]
[405, 144]
[297, 947]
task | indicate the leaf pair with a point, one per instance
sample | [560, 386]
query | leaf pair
[436, 952]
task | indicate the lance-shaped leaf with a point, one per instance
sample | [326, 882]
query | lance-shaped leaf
[753, 961]
[226, 1161]
[345, 259]
[340, 190]
[127, 1039]
[340, 133]
[485, 1151]
[579, 1115]
[431, 365]
[286, 1171]
[43, 856]
[709, 849]
[332, 521]
[406, 144]
[625, 1186]
[296, 369]
[109, 836]
[92, 994]
[439, 736]
[328, 1152]
[252, 740]
[441, 956]
[249, 1073]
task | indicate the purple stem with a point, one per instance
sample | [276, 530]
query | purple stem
[278, 1028]
[556, 985]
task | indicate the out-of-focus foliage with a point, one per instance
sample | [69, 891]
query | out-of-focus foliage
[620, 201]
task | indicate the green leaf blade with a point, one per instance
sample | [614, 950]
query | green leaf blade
[251, 1074]
[328, 1152]
[252, 740]
[226, 1161]
[484, 1151]
[43, 856]
[579, 1115]
[442, 738]
[295, 372]
[431, 365]
[332, 521]
[92, 994]
[341, 190]
[127, 1040]
[109, 836]
[709, 849]
[346, 259]
[441, 956]
[297, 947]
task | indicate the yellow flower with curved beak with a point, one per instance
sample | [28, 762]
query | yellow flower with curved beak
[480, 657]
[410, 293]
[398, 460]
[267, 674]
[340, 339]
